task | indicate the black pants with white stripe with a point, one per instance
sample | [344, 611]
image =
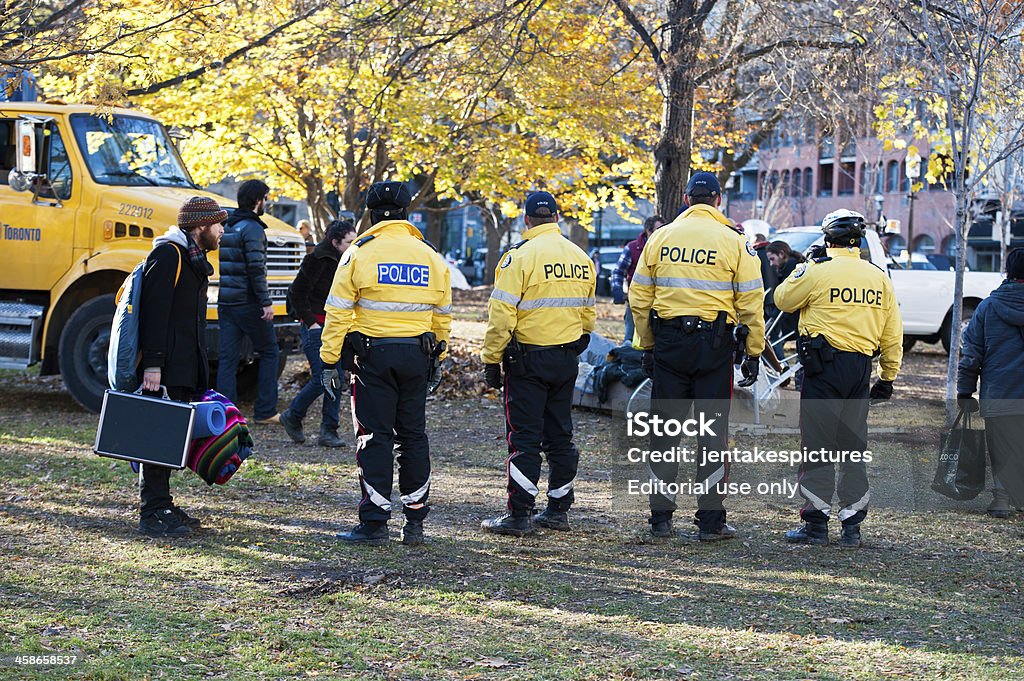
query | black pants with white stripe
[690, 370]
[389, 394]
[834, 416]
[538, 418]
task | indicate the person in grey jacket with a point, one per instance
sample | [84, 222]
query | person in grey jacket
[244, 306]
[993, 349]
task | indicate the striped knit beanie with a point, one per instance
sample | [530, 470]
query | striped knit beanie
[200, 211]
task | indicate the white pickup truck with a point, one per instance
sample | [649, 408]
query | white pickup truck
[925, 295]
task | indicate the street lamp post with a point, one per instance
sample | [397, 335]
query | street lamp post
[913, 171]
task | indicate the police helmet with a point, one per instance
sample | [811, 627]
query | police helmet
[843, 227]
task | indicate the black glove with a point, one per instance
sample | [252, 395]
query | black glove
[618, 297]
[968, 403]
[750, 368]
[647, 363]
[331, 382]
[881, 390]
[817, 251]
[492, 376]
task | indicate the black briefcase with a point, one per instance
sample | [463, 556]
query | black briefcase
[152, 430]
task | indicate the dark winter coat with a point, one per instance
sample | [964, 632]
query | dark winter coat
[243, 261]
[308, 293]
[172, 321]
[993, 349]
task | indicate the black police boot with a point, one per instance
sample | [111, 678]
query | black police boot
[726, 531]
[661, 527]
[366, 534]
[185, 519]
[329, 438]
[809, 534]
[553, 520]
[412, 533]
[293, 427]
[163, 523]
[851, 537]
[514, 525]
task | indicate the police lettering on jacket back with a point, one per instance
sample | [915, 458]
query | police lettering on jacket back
[390, 283]
[403, 274]
[543, 293]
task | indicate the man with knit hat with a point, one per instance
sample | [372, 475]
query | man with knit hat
[172, 339]
[388, 313]
[993, 350]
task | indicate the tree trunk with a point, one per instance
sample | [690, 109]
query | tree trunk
[672, 151]
[962, 228]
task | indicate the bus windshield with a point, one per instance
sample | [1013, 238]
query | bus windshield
[129, 151]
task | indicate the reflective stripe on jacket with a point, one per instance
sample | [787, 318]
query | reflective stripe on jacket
[390, 283]
[698, 266]
[543, 292]
[850, 302]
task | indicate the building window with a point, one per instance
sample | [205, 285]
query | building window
[785, 183]
[949, 246]
[808, 182]
[892, 177]
[827, 149]
[871, 178]
[847, 173]
[924, 244]
[798, 187]
[825, 179]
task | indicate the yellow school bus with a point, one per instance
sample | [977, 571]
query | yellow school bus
[83, 192]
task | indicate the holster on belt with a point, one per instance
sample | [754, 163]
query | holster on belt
[814, 353]
[428, 342]
[348, 352]
[655, 322]
[515, 358]
[721, 330]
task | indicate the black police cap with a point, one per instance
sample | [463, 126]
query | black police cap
[388, 196]
[703, 184]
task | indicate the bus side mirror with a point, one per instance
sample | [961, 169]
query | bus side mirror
[25, 167]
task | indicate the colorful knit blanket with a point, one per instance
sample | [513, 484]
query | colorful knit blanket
[216, 459]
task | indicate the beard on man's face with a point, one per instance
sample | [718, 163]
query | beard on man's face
[208, 239]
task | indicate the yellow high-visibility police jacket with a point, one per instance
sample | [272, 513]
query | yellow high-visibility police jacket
[850, 302]
[698, 266]
[543, 292]
[390, 283]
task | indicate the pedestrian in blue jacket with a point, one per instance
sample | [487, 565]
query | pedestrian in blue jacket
[993, 349]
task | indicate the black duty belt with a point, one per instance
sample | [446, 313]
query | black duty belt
[377, 342]
[689, 324]
[537, 348]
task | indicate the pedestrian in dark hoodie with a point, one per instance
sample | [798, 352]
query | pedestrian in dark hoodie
[172, 339]
[783, 260]
[244, 306]
[307, 296]
[993, 348]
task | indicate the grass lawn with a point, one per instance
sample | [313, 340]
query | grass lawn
[266, 592]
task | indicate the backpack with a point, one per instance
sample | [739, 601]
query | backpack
[124, 354]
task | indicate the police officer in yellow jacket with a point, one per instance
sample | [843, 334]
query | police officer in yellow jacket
[540, 316]
[697, 278]
[848, 312]
[388, 316]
